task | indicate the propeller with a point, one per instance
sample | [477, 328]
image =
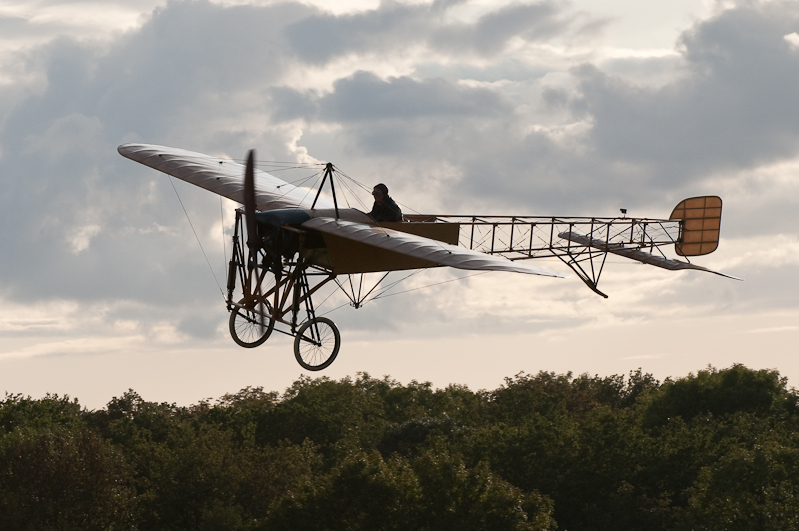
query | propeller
[249, 207]
[253, 241]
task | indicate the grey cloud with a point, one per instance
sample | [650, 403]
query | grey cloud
[422, 122]
[737, 106]
[394, 27]
[145, 83]
[200, 324]
[133, 4]
[65, 187]
[320, 38]
[646, 71]
[14, 27]
[364, 96]
[38, 23]
[286, 104]
[489, 35]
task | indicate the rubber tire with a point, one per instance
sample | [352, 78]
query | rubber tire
[308, 353]
[237, 317]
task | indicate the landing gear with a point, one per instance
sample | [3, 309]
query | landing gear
[250, 327]
[316, 344]
[277, 297]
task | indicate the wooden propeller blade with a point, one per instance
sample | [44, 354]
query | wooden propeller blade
[249, 204]
[253, 242]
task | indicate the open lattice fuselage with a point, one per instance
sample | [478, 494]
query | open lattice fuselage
[513, 237]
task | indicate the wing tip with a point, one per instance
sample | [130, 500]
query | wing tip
[125, 149]
[130, 149]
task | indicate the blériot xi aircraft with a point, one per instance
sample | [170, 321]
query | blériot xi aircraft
[288, 244]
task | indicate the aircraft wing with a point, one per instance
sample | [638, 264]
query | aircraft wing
[419, 248]
[223, 177]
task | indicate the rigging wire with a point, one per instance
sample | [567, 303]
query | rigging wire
[343, 183]
[334, 309]
[195, 235]
[362, 186]
[396, 282]
[333, 292]
[382, 296]
[224, 247]
[306, 192]
[286, 163]
[284, 168]
[310, 189]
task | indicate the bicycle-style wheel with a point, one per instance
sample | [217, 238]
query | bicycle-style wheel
[316, 344]
[248, 328]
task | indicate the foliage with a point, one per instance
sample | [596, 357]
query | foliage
[713, 450]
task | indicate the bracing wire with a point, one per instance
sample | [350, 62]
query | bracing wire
[224, 246]
[362, 186]
[345, 185]
[308, 191]
[197, 237]
[334, 309]
[383, 296]
[390, 286]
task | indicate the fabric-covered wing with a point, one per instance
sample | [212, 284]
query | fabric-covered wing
[421, 248]
[223, 177]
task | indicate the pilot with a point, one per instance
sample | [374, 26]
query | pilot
[384, 209]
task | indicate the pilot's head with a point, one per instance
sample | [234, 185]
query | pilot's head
[380, 192]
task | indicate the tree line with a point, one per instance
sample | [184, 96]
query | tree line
[713, 450]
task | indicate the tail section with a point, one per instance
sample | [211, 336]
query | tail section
[701, 222]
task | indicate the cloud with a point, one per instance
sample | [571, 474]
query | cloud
[467, 126]
[323, 37]
[364, 98]
[30, 23]
[491, 33]
[734, 106]
[64, 177]
[395, 28]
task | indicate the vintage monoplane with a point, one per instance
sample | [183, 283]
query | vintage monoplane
[288, 244]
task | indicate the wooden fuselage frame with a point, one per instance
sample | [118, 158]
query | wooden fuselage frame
[344, 256]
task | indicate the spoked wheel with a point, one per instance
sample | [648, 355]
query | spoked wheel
[316, 344]
[246, 328]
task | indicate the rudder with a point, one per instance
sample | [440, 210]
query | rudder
[701, 223]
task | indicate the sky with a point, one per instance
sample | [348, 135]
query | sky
[460, 107]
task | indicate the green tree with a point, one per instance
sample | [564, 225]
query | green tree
[748, 488]
[721, 392]
[435, 491]
[63, 478]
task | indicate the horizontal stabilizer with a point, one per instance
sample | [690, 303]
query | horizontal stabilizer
[636, 254]
[418, 247]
